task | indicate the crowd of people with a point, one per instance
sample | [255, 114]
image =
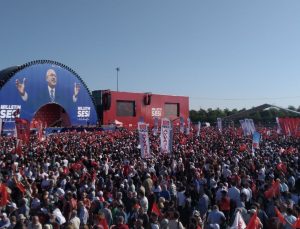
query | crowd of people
[98, 180]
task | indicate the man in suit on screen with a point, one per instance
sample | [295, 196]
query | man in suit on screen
[50, 94]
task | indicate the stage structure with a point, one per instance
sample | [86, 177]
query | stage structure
[128, 108]
[45, 91]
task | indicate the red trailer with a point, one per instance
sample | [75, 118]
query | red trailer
[129, 108]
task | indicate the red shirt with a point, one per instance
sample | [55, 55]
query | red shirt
[120, 226]
[224, 204]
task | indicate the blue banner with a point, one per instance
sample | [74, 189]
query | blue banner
[40, 84]
[256, 140]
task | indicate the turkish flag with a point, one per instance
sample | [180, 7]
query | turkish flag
[23, 129]
[296, 225]
[280, 216]
[273, 190]
[155, 209]
[3, 195]
[253, 222]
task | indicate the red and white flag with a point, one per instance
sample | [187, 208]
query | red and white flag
[23, 130]
[239, 222]
[40, 136]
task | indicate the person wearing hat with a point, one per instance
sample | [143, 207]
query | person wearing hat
[4, 221]
[13, 210]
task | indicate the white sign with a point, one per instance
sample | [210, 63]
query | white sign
[156, 112]
[7, 112]
[83, 113]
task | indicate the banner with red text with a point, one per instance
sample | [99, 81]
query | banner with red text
[144, 140]
[165, 136]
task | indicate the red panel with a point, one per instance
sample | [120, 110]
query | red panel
[156, 107]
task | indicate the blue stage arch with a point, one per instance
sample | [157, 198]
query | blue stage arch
[37, 92]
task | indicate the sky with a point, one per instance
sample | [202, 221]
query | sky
[220, 53]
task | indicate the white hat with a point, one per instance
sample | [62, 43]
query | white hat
[214, 226]
[13, 205]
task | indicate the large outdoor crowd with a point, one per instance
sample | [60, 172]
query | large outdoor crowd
[99, 180]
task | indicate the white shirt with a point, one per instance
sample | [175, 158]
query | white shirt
[248, 193]
[51, 89]
[75, 222]
[144, 203]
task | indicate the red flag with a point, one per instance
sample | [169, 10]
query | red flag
[40, 131]
[3, 195]
[273, 190]
[77, 166]
[281, 167]
[18, 149]
[296, 225]
[155, 209]
[279, 215]
[20, 186]
[253, 222]
[23, 129]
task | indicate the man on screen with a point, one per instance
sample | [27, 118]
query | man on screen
[50, 94]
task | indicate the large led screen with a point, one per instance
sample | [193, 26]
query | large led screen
[40, 84]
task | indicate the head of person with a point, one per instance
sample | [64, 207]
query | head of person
[138, 223]
[51, 78]
[35, 220]
[215, 208]
[120, 220]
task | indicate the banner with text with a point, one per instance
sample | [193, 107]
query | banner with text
[165, 136]
[198, 129]
[144, 140]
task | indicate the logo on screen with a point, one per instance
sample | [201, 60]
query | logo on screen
[156, 112]
[7, 112]
[83, 113]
